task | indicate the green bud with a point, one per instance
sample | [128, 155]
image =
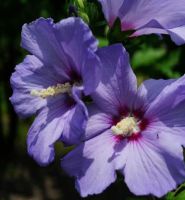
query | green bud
[80, 4]
[84, 16]
[107, 30]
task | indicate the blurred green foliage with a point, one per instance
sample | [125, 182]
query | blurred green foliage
[151, 57]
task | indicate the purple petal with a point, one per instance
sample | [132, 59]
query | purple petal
[171, 123]
[154, 165]
[89, 164]
[148, 91]
[77, 94]
[110, 9]
[178, 34]
[170, 97]
[30, 74]
[118, 83]
[91, 73]
[46, 130]
[76, 39]
[39, 38]
[165, 17]
[97, 123]
[164, 106]
[74, 127]
[152, 26]
[61, 120]
[62, 46]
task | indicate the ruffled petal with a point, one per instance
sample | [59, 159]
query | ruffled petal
[170, 97]
[148, 91]
[62, 46]
[91, 73]
[171, 123]
[77, 94]
[166, 17]
[40, 39]
[154, 165]
[97, 123]
[63, 120]
[30, 75]
[76, 39]
[75, 124]
[177, 34]
[89, 163]
[118, 85]
[110, 9]
[46, 130]
[163, 103]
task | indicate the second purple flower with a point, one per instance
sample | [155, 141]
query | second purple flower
[136, 131]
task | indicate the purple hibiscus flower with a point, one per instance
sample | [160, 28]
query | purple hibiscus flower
[136, 131]
[146, 17]
[62, 68]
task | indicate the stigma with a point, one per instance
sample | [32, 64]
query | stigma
[52, 90]
[126, 127]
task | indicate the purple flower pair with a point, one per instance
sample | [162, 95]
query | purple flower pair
[148, 16]
[136, 131]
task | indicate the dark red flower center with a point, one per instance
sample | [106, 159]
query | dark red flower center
[129, 126]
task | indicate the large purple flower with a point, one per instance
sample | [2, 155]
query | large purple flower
[146, 17]
[52, 81]
[139, 132]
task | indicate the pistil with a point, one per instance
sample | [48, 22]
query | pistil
[126, 127]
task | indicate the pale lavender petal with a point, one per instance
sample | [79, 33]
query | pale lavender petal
[29, 75]
[39, 38]
[62, 46]
[154, 166]
[77, 94]
[164, 103]
[111, 9]
[90, 72]
[75, 118]
[178, 34]
[46, 130]
[75, 124]
[98, 123]
[76, 39]
[170, 97]
[62, 120]
[146, 17]
[89, 164]
[166, 12]
[171, 123]
[148, 91]
[118, 85]
[152, 27]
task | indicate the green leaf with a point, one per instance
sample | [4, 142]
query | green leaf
[147, 56]
[80, 3]
[103, 42]
[170, 196]
[180, 196]
[167, 65]
[84, 16]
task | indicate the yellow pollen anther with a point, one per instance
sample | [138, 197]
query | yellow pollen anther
[125, 127]
[52, 90]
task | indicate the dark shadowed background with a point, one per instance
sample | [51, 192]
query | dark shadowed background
[20, 177]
